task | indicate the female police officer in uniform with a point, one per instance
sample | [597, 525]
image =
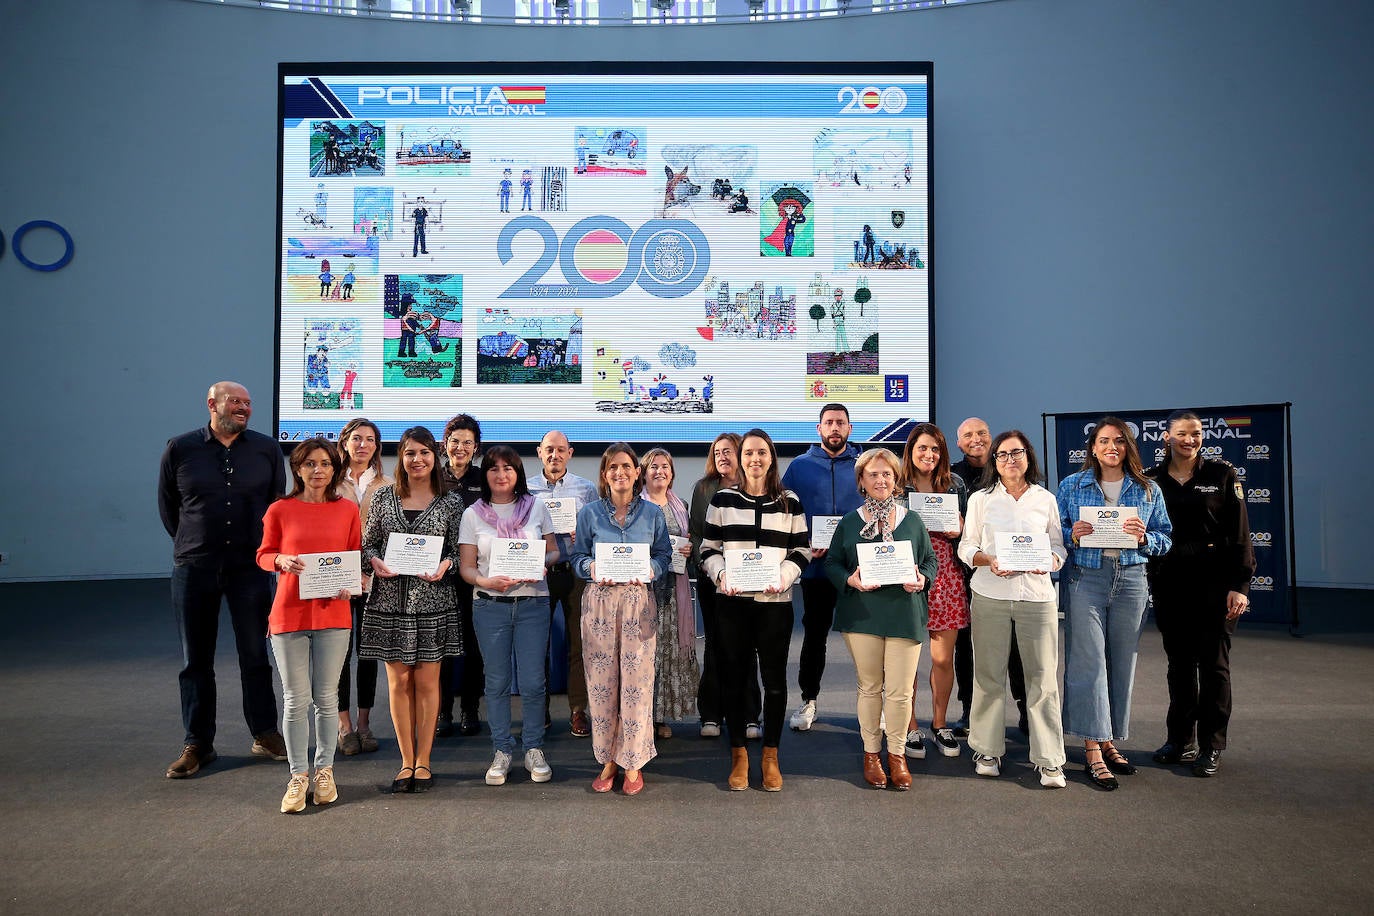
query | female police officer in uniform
[1200, 589]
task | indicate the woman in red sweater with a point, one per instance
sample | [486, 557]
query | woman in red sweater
[309, 635]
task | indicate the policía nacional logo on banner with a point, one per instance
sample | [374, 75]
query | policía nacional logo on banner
[1257, 453]
[898, 219]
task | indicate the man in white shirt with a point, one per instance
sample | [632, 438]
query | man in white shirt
[565, 588]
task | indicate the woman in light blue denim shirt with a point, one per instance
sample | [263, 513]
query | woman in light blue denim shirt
[1107, 595]
[619, 620]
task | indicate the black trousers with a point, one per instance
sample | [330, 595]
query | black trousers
[1197, 643]
[818, 616]
[711, 687]
[754, 630]
[367, 667]
[463, 678]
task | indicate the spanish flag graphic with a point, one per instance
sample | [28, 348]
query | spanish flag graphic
[524, 95]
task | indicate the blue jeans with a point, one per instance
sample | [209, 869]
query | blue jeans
[1102, 636]
[309, 662]
[197, 592]
[520, 626]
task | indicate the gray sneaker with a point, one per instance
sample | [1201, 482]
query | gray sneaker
[537, 766]
[500, 766]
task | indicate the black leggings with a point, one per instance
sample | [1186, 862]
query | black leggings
[750, 629]
[367, 667]
[711, 690]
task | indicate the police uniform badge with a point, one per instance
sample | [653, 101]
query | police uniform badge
[898, 219]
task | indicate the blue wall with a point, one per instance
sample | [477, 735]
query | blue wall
[1138, 204]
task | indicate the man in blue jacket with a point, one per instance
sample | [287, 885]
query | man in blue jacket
[824, 481]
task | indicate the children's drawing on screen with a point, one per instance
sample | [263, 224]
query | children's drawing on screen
[347, 148]
[422, 330]
[529, 346]
[332, 350]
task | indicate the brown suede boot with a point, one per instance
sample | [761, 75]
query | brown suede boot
[772, 776]
[873, 771]
[739, 769]
[901, 776]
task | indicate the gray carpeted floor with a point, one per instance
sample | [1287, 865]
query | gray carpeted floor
[90, 721]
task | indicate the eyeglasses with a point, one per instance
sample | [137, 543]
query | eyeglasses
[1010, 456]
[462, 443]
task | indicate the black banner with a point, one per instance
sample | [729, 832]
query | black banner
[1254, 439]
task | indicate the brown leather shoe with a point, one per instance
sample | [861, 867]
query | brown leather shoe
[901, 776]
[269, 744]
[772, 776]
[873, 771]
[193, 757]
[739, 769]
[580, 724]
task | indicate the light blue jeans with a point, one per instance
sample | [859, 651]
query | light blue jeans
[309, 662]
[1101, 639]
[520, 627]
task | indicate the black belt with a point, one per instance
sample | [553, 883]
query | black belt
[503, 599]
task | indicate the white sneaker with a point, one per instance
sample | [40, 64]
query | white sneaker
[710, 729]
[916, 745]
[500, 766]
[1052, 777]
[294, 799]
[945, 741]
[753, 732]
[536, 766]
[325, 789]
[984, 765]
[804, 717]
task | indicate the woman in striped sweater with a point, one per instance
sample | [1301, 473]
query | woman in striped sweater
[757, 513]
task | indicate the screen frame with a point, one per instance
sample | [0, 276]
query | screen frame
[921, 69]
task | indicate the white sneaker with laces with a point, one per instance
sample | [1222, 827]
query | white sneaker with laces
[753, 732]
[945, 741]
[710, 729]
[500, 766]
[537, 766]
[804, 717]
[294, 799]
[325, 789]
[1052, 777]
[984, 765]
[916, 744]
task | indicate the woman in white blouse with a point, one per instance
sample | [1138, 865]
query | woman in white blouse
[1011, 501]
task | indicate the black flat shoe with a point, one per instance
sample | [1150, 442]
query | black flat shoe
[1117, 762]
[422, 785]
[403, 783]
[1208, 763]
[1099, 775]
[1172, 754]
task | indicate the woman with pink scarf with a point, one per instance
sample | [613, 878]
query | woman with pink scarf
[675, 660]
[509, 615]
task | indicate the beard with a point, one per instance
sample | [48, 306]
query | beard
[228, 423]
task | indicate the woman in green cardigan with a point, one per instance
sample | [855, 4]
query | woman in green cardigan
[883, 625]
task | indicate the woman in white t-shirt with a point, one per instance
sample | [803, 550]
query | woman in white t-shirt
[509, 614]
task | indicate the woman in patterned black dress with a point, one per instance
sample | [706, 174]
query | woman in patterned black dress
[411, 622]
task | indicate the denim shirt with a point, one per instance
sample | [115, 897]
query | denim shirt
[644, 524]
[1081, 489]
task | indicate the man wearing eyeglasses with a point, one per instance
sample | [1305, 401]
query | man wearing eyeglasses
[974, 438]
[565, 588]
[214, 485]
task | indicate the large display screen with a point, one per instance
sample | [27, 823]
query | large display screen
[648, 253]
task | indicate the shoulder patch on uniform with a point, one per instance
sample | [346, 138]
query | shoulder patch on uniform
[1240, 491]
